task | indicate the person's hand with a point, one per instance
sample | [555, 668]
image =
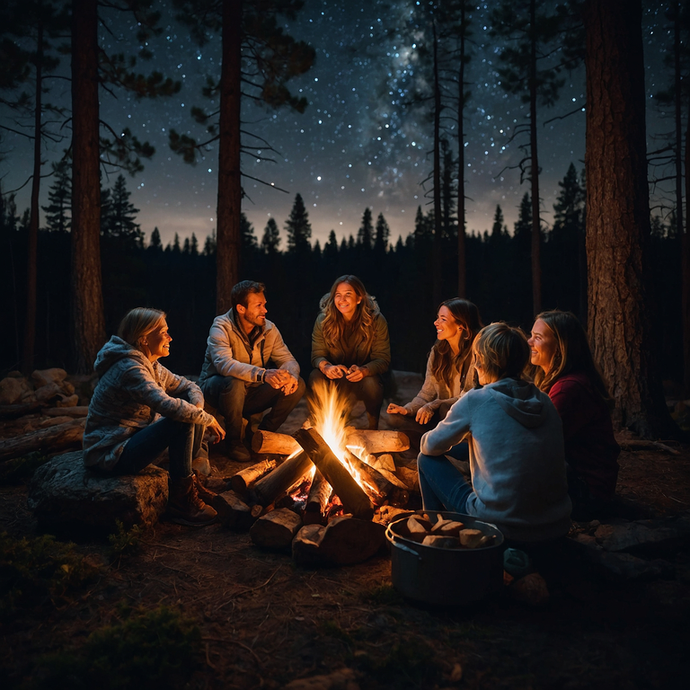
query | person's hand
[424, 414]
[396, 409]
[334, 371]
[290, 386]
[216, 430]
[277, 378]
[355, 373]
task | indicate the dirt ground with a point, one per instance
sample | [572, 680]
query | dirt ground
[265, 623]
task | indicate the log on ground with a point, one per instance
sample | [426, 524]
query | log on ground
[276, 529]
[272, 443]
[378, 441]
[306, 546]
[348, 540]
[50, 440]
[233, 512]
[270, 487]
[247, 477]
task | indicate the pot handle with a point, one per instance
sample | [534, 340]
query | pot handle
[402, 547]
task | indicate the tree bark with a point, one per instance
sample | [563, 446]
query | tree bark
[534, 165]
[436, 247]
[229, 178]
[618, 224]
[48, 440]
[88, 325]
[685, 260]
[462, 260]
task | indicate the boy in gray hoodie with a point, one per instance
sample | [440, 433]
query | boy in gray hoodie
[515, 442]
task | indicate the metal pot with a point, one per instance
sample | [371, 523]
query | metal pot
[446, 576]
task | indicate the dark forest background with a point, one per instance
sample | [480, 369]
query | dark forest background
[181, 278]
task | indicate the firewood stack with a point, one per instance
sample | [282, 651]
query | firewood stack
[311, 503]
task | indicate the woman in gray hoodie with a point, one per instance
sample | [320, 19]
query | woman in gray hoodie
[515, 441]
[139, 409]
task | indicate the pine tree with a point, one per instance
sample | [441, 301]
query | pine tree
[247, 235]
[365, 234]
[383, 233]
[194, 245]
[155, 243]
[298, 227]
[118, 219]
[58, 210]
[330, 249]
[270, 242]
[498, 225]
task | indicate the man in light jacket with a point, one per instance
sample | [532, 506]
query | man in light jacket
[248, 368]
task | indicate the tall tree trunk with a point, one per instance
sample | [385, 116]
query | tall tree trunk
[32, 249]
[685, 249]
[618, 224]
[229, 179]
[462, 259]
[88, 326]
[436, 247]
[534, 164]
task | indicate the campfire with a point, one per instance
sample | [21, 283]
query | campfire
[332, 494]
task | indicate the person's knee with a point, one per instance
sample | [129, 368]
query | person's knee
[300, 390]
[315, 376]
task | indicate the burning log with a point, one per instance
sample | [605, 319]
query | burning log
[233, 512]
[276, 529]
[247, 477]
[381, 489]
[48, 440]
[374, 441]
[352, 497]
[268, 488]
[382, 462]
[271, 443]
[319, 495]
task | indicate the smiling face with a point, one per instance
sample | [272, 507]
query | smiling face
[542, 345]
[157, 342]
[254, 314]
[346, 300]
[447, 328]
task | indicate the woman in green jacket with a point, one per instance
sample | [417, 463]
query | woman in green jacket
[350, 345]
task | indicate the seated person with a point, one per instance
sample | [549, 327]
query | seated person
[237, 378]
[449, 370]
[139, 409]
[350, 346]
[515, 445]
[567, 372]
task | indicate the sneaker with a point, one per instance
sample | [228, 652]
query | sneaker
[186, 508]
[236, 450]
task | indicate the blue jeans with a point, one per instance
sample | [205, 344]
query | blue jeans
[182, 439]
[442, 485]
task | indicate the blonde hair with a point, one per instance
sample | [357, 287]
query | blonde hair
[139, 322]
[333, 325]
[502, 350]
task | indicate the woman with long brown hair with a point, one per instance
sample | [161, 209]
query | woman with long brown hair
[449, 370]
[350, 345]
[567, 372]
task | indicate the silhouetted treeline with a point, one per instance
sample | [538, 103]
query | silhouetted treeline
[181, 280]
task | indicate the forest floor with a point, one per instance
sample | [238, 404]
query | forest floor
[264, 622]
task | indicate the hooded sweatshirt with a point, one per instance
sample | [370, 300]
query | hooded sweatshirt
[517, 461]
[132, 393]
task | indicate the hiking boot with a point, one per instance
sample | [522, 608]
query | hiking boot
[206, 495]
[236, 450]
[185, 507]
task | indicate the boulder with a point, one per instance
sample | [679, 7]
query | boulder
[48, 392]
[13, 389]
[43, 377]
[64, 495]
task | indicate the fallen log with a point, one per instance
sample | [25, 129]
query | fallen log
[233, 512]
[634, 445]
[268, 488]
[272, 443]
[305, 546]
[319, 495]
[381, 490]
[45, 440]
[376, 441]
[353, 498]
[348, 540]
[76, 411]
[19, 410]
[276, 529]
[247, 477]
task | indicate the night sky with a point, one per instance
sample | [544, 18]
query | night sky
[352, 148]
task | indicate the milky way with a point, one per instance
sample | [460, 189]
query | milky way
[355, 146]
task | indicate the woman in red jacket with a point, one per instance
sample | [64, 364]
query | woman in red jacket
[567, 372]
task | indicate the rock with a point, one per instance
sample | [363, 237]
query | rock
[624, 566]
[530, 589]
[67, 496]
[44, 377]
[13, 389]
[645, 537]
[67, 401]
[48, 392]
